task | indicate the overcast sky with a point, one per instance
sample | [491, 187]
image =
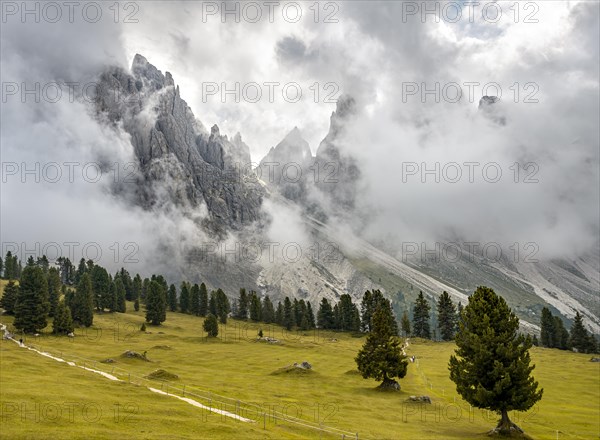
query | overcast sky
[374, 51]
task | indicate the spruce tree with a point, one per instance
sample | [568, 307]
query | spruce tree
[53, 277]
[82, 309]
[325, 315]
[366, 309]
[156, 304]
[203, 300]
[268, 311]
[311, 316]
[548, 332]
[405, 324]
[279, 313]
[492, 368]
[9, 297]
[561, 333]
[63, 322]
[255, 307]
[380, 357]
[184, 298]
[172, 298]
[101, 286]
[120, 294]
[195, 300]
[242, 305]
[421, 317]
[31, 308]
[211, 326]
[223, 306]
[579, 338]
[288, 314]
[136, 291]
[446, 317]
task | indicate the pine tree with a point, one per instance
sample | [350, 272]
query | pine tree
[101, 286]
[421, 317]
[120, 294]
[302, 316]
[288, 314]
[310, 316]
[242, 305]
[579, 338]
[184, 298]
[446, 317]
[268, 311]
[562, 335]
[211, 326]
[156, 305]
[82, 308]
[136, 291]
[325, 316]
[31, 308]
[53, 278]
[405, 324]
[195, 300]
[223, 306]
[172, 298]
[9, 298]
[366, 309]
[9, 269]
[491, 368]
[203, 300]
[279, 313]
[534, 340]
[63, 322]
[255, 307]
[380, 357]
[43, 263]
[346, 312]
[548, 332]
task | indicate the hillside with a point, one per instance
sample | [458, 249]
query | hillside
[236, 373]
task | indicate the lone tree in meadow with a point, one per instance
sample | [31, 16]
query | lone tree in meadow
[492, 368]
[32, 306]
[381, 357]
[211, 326]
[156, 304]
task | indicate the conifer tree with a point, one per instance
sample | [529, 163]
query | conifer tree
[136, 291]
[446, 317]
[381, 357]
[548, 332]
[491, 368]
[203, 300]
[288, 314]
[82, 308]
[421, 317]
[279, 313]
[579, 338]
[172, 298]
[9, 297]
[195, 300]
[184, 298]
[156, 305]
[211, 326]
[561, 333]
[268, 312]
[325, 316]
[63, 322]
[31, 307]
[120, 294]
[53, 277]
[242, 305]
[223, 306]
[310, 316]
[255, 307]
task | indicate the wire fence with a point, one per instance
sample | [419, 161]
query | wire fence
[212, 404]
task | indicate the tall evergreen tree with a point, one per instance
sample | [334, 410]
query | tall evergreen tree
[548, 332]
[43, 263]
[268, 311]
[31, 308]
[255, 307]
[203, 300]
[381, 357]
[242, 305]
[325, 316]
[53, 277]
[63, 322]
[101, 286]
[405, 324]
[195, 300]
[82, 304]
[303, 319]
[156, 304]
[288, 314]
[223, 307]
[366, 310]
[492, 368]
[136, 291]
[279, 313]
[579, 338]
[9, 297]
[81, 269]
[184, 298]
[562, 335]
[310, 316]
[446, 317]
[421, 317]
[120, 293]
[172, 298]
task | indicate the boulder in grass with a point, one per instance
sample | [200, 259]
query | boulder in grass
[135, 355]
[420, 399]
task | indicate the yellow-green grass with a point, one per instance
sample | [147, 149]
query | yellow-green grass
[237, 366]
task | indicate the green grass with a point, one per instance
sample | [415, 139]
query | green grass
[236, 366]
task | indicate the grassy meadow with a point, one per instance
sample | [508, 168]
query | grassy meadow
[236, 373]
